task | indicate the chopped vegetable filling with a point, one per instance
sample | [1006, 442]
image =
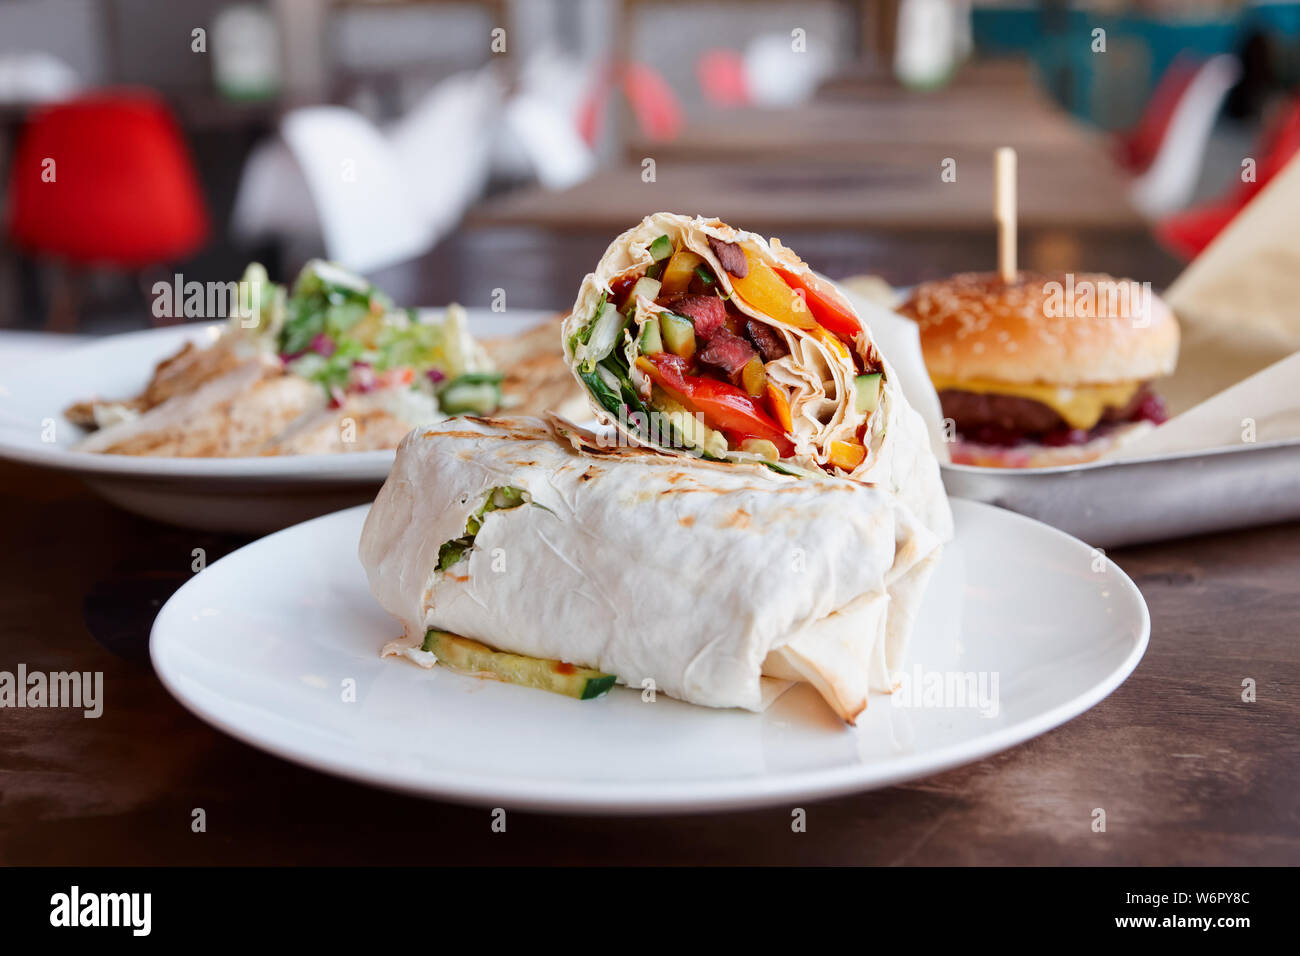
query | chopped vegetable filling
[498, 499]
[337, 330]
[707, 358]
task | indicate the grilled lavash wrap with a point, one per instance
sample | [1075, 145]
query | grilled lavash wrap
[719, 582]
[832, 398]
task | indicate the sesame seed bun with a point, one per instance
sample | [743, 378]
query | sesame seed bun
[1047, 329]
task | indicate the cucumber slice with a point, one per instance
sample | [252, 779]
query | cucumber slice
[628, 396]
[501, 498]
[471, 657]
[866, 392]
[477, 378]
[762, 448]
[690, 429]
[678, 334]
[661, 248]
[479, 398]
[451, 552]
[645, 286]
[651, 341]
[785, 468]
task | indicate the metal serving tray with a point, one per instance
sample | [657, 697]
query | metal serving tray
[1109, 504]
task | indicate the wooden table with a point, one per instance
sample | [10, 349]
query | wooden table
[1187, 772]
[897, 216]
[902, 193]
[1009, 79]
[866, 129]
[848, 182]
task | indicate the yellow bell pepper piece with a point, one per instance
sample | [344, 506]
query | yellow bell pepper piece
[847, 454]
[764, 290]
[677, 274]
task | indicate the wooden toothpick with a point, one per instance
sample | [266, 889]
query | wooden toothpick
[1004, 210]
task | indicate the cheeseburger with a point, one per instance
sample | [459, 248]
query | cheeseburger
[1048, 370]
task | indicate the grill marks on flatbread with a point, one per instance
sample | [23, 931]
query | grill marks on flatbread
[361, 419]
[216, 403]
[231, 416]
[179, 374]
[647, 566]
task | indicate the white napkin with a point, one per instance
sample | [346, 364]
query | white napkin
[442, 148]
[1264, 407]
[1238, 377]
[356, 179]
[899, 342]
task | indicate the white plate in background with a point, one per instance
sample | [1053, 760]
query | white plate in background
[217, 494]
[261, 643]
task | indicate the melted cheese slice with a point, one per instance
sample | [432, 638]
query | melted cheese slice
[1081, 405]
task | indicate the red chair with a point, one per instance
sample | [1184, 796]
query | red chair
[654, 106]
[1135, 149]
[105, 180]
[1187, 233]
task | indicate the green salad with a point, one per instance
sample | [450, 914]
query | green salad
[334, 328]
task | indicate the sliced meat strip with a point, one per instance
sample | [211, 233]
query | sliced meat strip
[728, 352]
[769, 343]
[972, 410]
[707, 312]
[731, 256]
[1018, 416]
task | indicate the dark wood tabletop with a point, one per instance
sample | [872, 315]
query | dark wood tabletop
[894, 161]
[1187, 772]
[905, 191]
[896, 217]
[908, 173]
[1009, 80]
[867, 126]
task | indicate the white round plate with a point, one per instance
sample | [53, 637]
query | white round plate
[278, 645]
[217, 494]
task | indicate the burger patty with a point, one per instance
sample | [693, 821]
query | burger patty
[975, 411]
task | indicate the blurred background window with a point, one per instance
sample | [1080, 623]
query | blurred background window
[450, 148]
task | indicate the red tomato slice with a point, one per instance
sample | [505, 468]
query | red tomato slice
[830, 311]
[723, 405]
